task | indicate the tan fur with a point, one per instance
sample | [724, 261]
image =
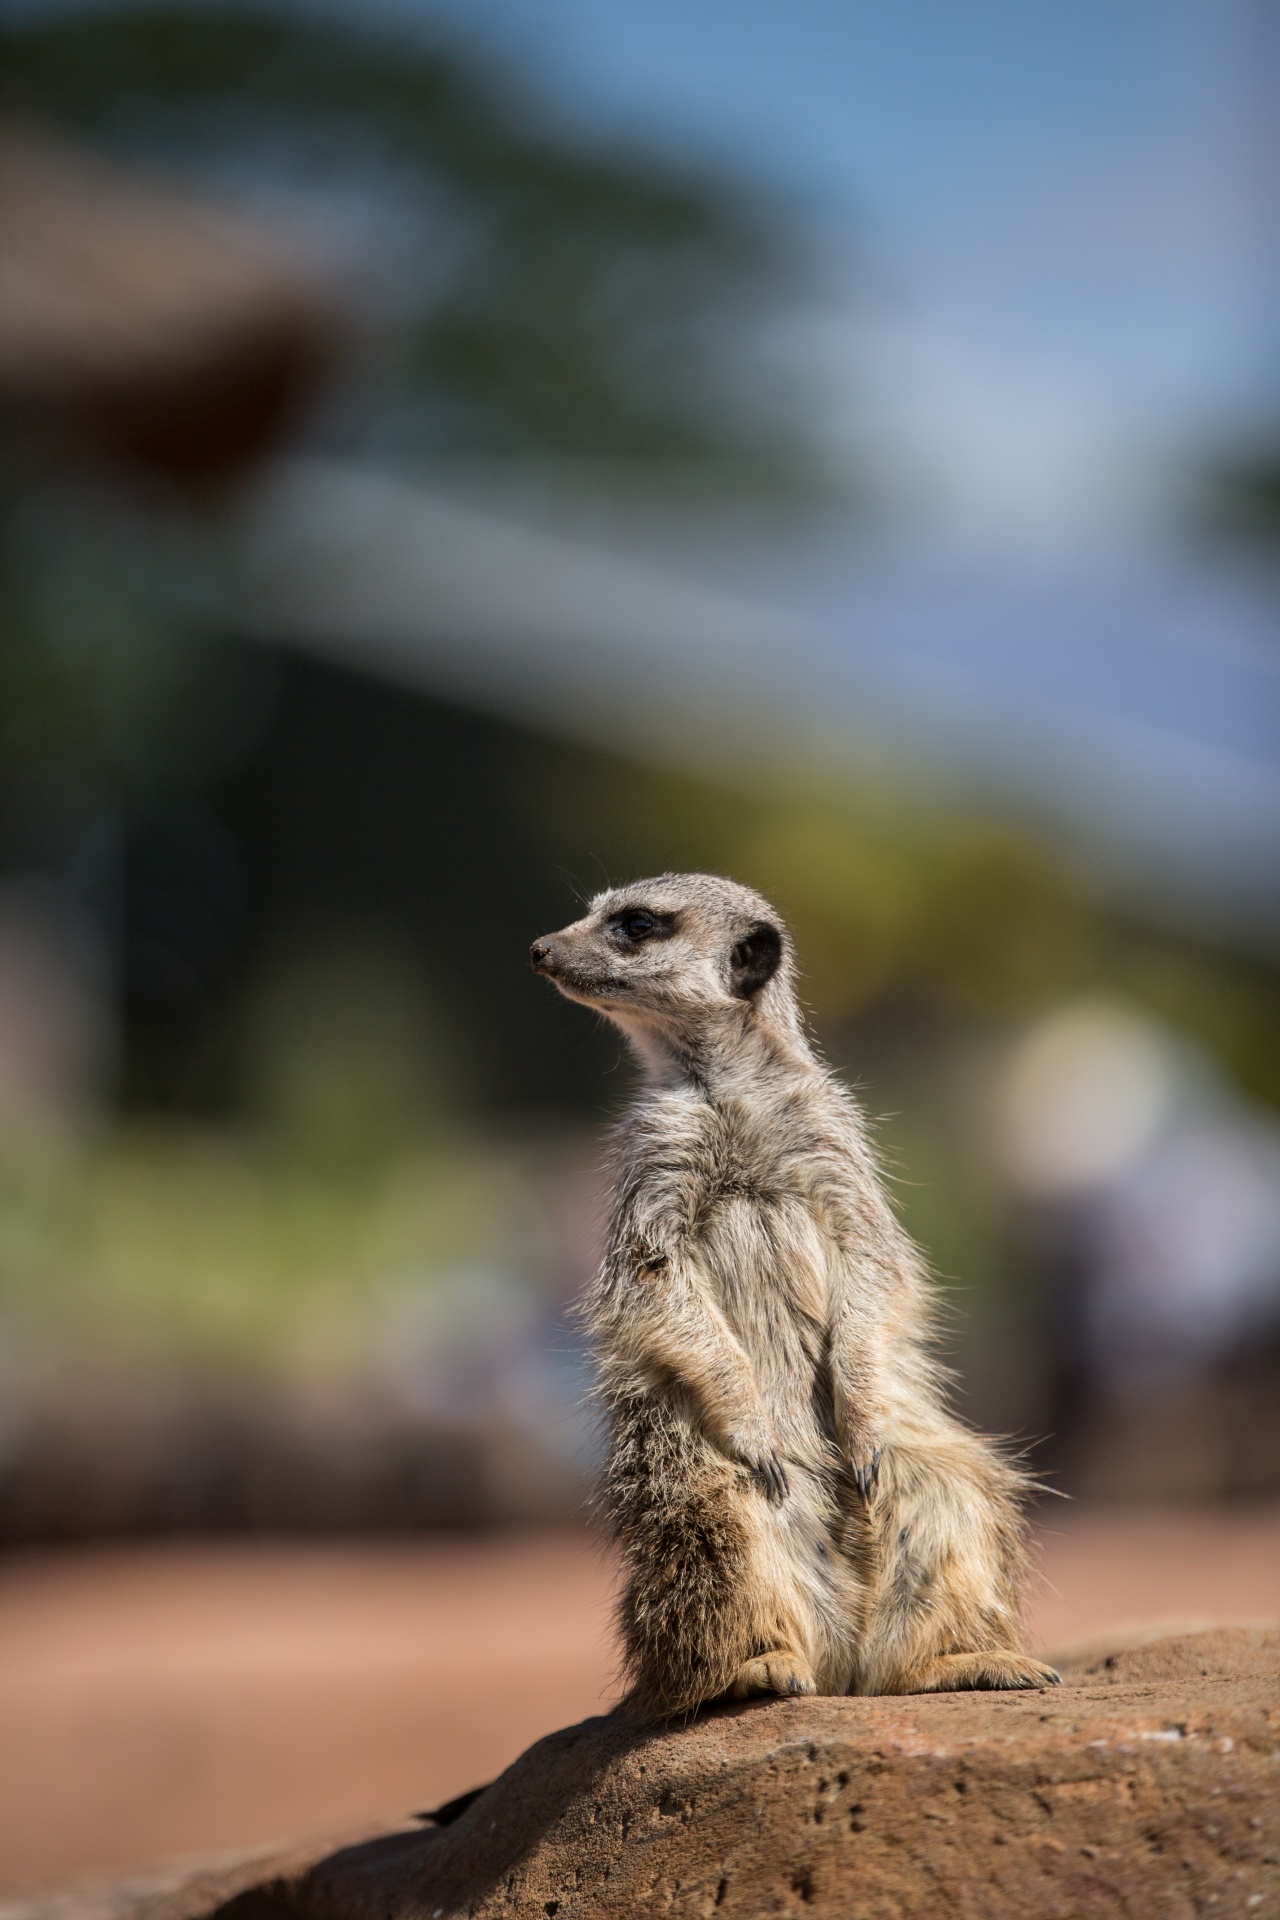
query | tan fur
[796, 1508]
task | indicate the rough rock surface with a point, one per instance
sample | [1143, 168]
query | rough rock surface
[1148, 1785]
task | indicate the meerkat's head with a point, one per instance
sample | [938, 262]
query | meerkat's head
[676, 958]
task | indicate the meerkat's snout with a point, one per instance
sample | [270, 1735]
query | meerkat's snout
[578, 964]
[561, 958]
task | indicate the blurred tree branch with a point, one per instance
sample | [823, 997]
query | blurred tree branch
[603, 304]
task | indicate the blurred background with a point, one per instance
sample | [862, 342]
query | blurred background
[457, 456]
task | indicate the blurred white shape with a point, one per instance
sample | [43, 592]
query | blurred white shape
[1159, 1185]
[1084, 1098]
[1188, 1254]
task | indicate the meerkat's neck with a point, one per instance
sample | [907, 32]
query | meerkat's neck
[721, 1059]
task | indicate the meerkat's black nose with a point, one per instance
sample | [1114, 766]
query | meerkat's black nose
[541, 955]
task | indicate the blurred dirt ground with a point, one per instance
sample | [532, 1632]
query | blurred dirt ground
[180, 1699]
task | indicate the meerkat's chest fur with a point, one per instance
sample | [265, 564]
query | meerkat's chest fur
[743, 1185]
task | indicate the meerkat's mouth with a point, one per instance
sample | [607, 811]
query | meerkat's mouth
[588, 992]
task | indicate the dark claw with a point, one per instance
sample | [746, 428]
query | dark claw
[867, 1478]
[773, 1478]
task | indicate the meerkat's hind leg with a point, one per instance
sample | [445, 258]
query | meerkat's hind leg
[991, 1672]
[780, 1671]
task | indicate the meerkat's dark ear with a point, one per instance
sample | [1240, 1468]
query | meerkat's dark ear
[755, 959]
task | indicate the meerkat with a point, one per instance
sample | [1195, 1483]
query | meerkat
[796, 1508]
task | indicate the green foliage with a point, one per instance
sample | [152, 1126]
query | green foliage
[174, 1239]
[1240, 499]
[101, 677]
[596, 303]
[341, 1064]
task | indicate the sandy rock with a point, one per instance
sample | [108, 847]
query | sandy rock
[1147, 1785]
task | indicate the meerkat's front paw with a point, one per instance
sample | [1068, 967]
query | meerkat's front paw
[865, 1468]
[769, 1475]
[772, 1478]
[757, 1453]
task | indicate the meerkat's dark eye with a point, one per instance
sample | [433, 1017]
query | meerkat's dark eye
[634, 925]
